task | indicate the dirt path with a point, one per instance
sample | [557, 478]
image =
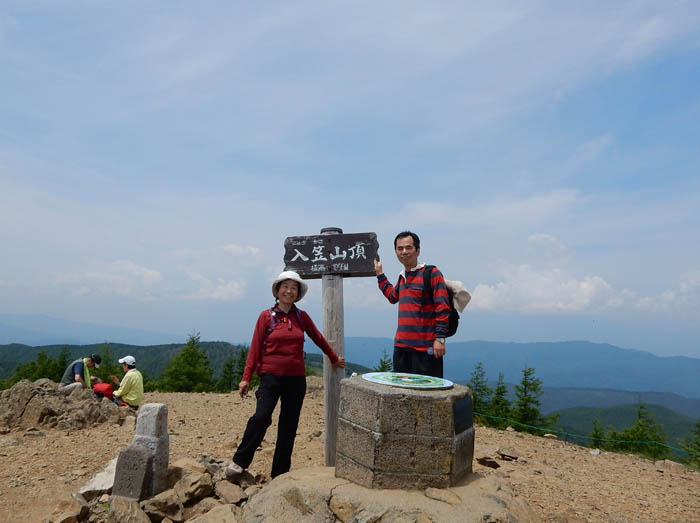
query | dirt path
[562, 482]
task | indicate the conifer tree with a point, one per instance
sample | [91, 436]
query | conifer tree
[527, 410]
[240, 364]
[528, 394]
[227, 381]
[481, 392]
[598, 435]
[60, 364]
[108, 366]
[500, 408]
[41, 367]
[386, 364]
[692, 446]
[188, 371]
[646, 437]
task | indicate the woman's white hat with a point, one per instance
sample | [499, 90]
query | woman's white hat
[290, 275]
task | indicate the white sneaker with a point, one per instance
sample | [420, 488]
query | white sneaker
[234, 470]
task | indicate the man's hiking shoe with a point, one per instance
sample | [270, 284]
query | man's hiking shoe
[233, 470]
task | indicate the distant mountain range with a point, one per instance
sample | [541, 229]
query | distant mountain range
[579, 364]
[36, 329]
[574, 373]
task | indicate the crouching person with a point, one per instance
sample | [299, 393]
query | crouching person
[77, 374]
[130, 391]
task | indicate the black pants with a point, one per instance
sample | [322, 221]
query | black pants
[417, 362]
[291, 390]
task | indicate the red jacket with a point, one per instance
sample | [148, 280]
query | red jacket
[282, 352]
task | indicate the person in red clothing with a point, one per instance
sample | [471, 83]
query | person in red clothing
[419, 344]
[276, 355]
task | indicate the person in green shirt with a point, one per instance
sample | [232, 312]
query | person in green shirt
[130, 390]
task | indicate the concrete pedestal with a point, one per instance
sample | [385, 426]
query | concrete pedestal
[390, 437]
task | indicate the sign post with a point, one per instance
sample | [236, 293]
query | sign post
[332, 256]
[334, 331]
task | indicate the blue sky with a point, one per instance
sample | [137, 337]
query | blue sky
[154, 157]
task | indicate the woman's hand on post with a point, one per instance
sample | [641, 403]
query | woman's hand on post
[340, 364]
[243, 388]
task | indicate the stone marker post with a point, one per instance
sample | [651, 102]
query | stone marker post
[152, 434]
[133, 476]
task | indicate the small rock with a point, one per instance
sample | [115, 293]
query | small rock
[508, 454]
[220, 514]
[194, 486]
[487, 461]
[229, 492]
[200, 508]
[164, 505]
[252, 490]
[123, 509]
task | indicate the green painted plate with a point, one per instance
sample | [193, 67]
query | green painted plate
[409, 381]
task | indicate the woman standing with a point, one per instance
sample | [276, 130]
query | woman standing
[277, 356]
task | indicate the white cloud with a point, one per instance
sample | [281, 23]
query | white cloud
[147, 276]
[526, 289]
[121, 278]
[685, 299]
[241, 250]
[650, 34]
[588, 152]
[550, 247]
[219, 290]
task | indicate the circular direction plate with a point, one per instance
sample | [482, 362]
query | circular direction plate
[408, 381]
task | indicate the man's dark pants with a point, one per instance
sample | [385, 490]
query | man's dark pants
[417, 362]
[291, 389]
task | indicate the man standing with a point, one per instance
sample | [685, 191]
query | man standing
[419, 344]
[131, 387]
[77, 374]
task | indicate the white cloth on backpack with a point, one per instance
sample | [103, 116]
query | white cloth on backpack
[460, 295]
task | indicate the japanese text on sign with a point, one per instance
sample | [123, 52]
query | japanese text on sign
[346, 254]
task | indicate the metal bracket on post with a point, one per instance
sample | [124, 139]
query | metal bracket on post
[334, 331]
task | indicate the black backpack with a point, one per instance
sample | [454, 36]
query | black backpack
[453, 321]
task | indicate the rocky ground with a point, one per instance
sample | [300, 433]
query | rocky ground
[561, 482]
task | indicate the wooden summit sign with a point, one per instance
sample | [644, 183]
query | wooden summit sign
[342, 254]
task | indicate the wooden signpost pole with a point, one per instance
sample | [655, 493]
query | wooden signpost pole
[333, 330]
[332, 256]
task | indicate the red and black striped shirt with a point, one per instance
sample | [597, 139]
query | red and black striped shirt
[419, 324]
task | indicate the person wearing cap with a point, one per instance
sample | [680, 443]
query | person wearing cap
[277, 355]
[130, 391]
[77, 374]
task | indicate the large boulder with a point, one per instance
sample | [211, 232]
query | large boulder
[315, 494]
[30, 404]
